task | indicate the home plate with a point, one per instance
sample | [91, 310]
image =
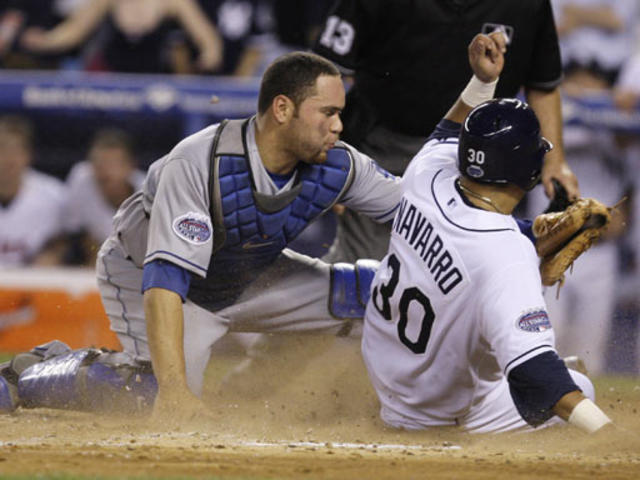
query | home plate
[353, 446]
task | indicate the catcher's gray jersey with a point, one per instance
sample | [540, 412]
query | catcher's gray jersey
[176, 190]
[170, 219]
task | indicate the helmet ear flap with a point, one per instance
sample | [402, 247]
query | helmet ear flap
[545, 146]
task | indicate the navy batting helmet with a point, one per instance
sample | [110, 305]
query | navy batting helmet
[500, 142]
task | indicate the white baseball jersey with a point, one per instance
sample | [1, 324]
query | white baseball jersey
[86, 208]
[456, 304]
[32, 218]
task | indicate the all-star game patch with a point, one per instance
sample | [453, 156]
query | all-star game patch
[534, 321]
[193, 227]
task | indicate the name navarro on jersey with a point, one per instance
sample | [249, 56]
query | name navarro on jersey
[418, 232]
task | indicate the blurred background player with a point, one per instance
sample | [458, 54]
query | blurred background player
[31, 203]
[96, 188]
[408, 62]
[456, 331]
[625, 357]
[595, 39]
[596, 35]
[583, 309]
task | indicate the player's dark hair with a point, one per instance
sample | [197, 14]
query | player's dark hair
[113, 138]
[293, 75]
[17, 126]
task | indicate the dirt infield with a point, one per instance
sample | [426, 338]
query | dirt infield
[319, 423]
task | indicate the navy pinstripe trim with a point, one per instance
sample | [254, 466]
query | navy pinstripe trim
[178, 257]
[526, 353]
[124, 306]
[433, 181]
[387, 213]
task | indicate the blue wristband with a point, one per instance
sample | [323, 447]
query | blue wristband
[163, 274]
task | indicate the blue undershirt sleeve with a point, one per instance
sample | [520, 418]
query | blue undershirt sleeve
[163, 274]
[526, 228]
[538, 384]
[445, 129]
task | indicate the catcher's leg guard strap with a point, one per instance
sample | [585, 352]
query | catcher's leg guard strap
[351, 288]
[87, 379]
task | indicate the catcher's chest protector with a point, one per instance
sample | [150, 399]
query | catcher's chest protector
[250, 228]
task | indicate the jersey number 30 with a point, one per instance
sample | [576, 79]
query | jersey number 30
[381, 301]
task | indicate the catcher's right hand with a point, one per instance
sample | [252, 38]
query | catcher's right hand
[561, 237]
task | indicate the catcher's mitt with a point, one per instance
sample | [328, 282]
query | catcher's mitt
[561, 237]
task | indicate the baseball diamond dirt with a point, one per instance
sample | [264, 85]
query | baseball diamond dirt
[318, 423]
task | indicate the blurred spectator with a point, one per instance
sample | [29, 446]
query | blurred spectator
[298, 24]
[627, 355]
[293, 25]
[627, 87]
[96, 188]
[255, 32]
[238, 21]
[582, 312]
[18, 15]
[30, 202]
[596, 34]
[136, 35]
[409, 64]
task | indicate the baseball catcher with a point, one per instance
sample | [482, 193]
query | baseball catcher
[562, 236]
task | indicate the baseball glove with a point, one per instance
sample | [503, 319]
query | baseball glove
[561, 237]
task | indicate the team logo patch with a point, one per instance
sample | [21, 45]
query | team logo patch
[534, 321]
[474, 171]
[193, 227]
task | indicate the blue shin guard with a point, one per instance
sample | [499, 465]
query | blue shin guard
[351, 288]
[122, 388]
[51, 383]
[10, 371]
[8, 396]
[88, 379]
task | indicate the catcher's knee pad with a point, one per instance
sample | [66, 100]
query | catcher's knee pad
[88, 379]
[351, 288]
